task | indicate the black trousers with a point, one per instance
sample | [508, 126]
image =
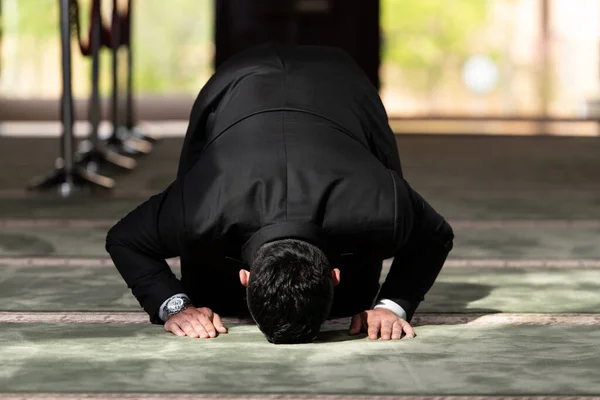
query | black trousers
[216, 285]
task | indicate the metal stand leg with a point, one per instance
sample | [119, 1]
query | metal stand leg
[130, 125]
[91, 154]
[68, 177]
[92, 158]
[121, 140]
[130, 120]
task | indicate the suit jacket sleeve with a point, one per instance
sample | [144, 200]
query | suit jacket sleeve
[140, 243]
[417, 263]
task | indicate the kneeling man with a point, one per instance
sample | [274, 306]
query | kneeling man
[288, 196]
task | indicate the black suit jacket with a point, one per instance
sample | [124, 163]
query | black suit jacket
[285, 142]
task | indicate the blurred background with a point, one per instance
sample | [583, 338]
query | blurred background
[524, 67]
[496, 109]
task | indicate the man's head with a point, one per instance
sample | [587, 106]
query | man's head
[290, 290]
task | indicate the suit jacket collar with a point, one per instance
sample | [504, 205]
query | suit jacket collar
[305, 231]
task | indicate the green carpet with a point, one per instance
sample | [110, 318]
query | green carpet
[471, 242]
[456, 290]
[466, 179]
[510, 360]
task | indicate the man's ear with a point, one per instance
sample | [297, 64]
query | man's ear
[335, 275]
[244, 277]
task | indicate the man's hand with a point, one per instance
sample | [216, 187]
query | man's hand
[195, 322]
[380, 320]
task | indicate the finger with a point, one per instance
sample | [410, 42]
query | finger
[396, 330]
[209, 328]
[219, 324]
[175, 329]
[355, 325]
[188, 329]
[410, 332]
[198, 326]
[386, 329]
[374, 326]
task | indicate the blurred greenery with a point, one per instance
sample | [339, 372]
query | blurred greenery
[173, 41]
[422, 37]
[37, 18]
[174, 44]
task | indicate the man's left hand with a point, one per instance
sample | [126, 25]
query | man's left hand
[380, 320]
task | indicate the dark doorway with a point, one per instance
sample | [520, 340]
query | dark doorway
[352, 25]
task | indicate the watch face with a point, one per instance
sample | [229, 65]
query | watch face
[175, 304]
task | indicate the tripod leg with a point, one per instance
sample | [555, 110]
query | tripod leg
[67, 184]
[68, 177]
[93, 158]
[123, 142]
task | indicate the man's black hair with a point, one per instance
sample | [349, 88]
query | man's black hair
[290, 290]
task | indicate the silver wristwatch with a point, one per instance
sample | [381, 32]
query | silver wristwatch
[176, 304]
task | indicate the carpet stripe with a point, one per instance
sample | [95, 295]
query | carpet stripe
[92, 262]
[22, 194]
[486, 191]
[523, 224]
[522, 263]
[57, 223]
[188, 396]
[458, 224]
[66, 262]
[476, 319]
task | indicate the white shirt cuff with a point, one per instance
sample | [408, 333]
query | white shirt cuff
[162, 312]
[393, 307]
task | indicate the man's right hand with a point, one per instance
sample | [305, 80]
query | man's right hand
[195, 322]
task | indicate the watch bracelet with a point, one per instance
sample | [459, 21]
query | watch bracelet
[186, 303]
